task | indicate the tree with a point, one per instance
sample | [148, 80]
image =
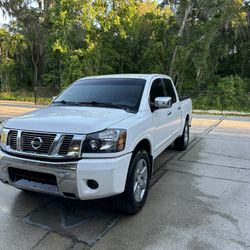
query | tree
[30, 23]
[11, 46]
[195, 41]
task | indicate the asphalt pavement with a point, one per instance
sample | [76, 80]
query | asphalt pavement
[9, 109]
[199, 199]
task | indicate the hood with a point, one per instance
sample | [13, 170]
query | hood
[68, 119]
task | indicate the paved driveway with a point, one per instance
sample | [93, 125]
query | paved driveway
[199, 199]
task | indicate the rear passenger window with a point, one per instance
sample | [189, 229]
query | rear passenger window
[157, 90]
[169, 89]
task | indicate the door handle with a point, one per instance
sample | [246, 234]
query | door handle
[169, 113]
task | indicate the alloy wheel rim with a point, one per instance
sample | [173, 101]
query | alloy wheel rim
[140, 180]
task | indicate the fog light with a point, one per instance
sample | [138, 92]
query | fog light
[92, 184]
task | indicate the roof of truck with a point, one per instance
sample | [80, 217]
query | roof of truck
[141, 76]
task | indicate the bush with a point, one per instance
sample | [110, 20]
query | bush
[233, 93]
[230, 93]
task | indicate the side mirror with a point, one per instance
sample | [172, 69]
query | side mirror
[53, 98]
[163, 102]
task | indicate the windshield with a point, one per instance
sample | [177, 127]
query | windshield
[120, 92]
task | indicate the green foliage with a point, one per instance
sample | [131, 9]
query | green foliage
[233, 91]
[228, 93]
[199, 43]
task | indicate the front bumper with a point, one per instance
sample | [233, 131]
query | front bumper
[71, 178]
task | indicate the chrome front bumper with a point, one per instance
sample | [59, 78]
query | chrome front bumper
[64, 172]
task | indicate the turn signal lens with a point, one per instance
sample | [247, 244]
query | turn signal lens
[121, 142]
[3, 136]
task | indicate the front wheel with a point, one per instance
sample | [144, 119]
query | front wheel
[181, 143]
[137, 185]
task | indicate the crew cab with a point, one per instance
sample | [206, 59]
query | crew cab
[98, 138]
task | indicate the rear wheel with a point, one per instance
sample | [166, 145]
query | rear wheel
[181, 143]
[137, 184]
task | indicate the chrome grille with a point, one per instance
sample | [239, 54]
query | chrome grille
[27, 137]
[64, 149]
[43, 145]
[12, 139]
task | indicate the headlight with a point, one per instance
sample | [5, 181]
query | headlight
[1, 129]
[3, 135]
[74, 148]
[106, 141]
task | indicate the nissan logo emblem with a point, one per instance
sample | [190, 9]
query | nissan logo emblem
[36, 143]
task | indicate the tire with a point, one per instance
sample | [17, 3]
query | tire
[130, 201]
[181, 143]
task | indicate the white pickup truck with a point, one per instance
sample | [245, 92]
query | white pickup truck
[98, 138]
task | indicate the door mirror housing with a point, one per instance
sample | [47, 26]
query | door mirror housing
[163, 102]
[53, 98]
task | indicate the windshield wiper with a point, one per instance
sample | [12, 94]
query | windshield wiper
[95, 103]
[108, 105]
[67, 103]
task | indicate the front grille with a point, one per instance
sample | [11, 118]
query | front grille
[64, 149]
[28, 137]
[42, 145]
[12, 139]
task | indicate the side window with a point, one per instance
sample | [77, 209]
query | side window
[157, 90]
[169, 89]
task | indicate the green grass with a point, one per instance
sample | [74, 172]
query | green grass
[23, 96]
[207, 112]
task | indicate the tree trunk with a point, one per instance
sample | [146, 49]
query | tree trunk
[122, 65]
[188, 9]
[35, 79]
